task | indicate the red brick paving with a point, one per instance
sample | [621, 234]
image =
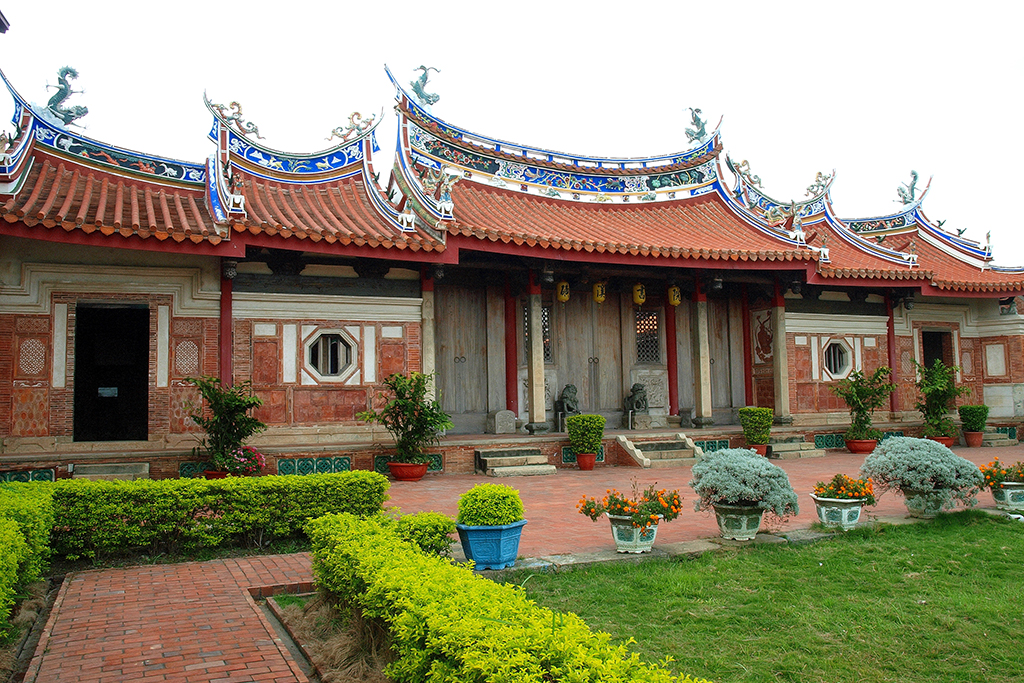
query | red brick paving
[196, 621]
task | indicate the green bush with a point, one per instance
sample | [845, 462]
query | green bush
[225, 419]
[113, 517]
[738, 476]
[585, 433]
[863, 395]
[923, 466]
[410, 415]
[13, 554]
[490, 505]
[756, 423]
[447, 624]
[30, 507]
[973, 417]
[938, 388]
[431, 532]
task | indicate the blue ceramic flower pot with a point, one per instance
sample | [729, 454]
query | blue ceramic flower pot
[491, 547]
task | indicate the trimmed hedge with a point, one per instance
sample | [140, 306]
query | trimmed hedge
[111, 517]
[13, 553]
[29, 506]
[430, 531]
[448, 624]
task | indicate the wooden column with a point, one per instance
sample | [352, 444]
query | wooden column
[701, 359]
[748, 352]
[671, 360]
[227, 274]
[890, 333]
[780, 358]
[538, 418]
[427, 349]
[511, 352]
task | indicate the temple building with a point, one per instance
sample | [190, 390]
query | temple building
[508, 270]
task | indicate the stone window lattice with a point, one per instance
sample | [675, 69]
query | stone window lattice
[545, 323]
[648, 348]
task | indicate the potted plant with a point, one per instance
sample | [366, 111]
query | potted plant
[929, 475]
[972, 419]
[227, 423]
[938, 388]
[740, 486]
[585, 435]
[757, 427]
[863, 395]
[840, 500]
[413, 420]
[634, 520]
[1006, 484]
[490, 523]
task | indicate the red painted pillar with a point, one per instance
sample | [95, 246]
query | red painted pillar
[890, 332]
[748, 352]
[511, 352]
[226, 287]
[672, 361]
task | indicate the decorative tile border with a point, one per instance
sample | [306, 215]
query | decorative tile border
[1011, 432]
[569, 458]
[303, 466]
[839, 440]
[188, 470]
[713, 445]
[28, 475]
[380, 463]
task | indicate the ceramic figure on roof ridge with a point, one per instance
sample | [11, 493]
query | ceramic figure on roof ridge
[56, 103]
[819, 185]
[235, 116]
[420, 84]
[356, 125]
[907, 192]
[742, 170]
[699, 131]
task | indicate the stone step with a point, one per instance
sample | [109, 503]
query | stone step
[795, 450]
[112, 470]
[490, 463]
[650, 446]
[786, 439]
[505, 452]
[665, 463]
[664, 450]
[998, 443]
[521, 471]
[679, 453]
[790, 446]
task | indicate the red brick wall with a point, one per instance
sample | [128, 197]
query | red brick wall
[810, 395]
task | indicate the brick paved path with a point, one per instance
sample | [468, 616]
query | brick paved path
[196, 621]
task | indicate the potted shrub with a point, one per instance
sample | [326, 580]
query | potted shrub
[972, 419]
[938, 388]
[840, 500]
[1006, 484]
[634, 520]
[863, 395]
[585, 435]
[490, 523]
[227, 421]
[413, 420]
[929, 475]
[740, 486]
[757, 427]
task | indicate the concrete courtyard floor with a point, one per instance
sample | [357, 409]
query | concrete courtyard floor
[200, 621]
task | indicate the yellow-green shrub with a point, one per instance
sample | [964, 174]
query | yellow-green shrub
[448, 624]
[431, 532]
[13, 551]
[30, 507]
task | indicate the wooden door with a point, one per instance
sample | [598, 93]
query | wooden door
[460, 315]
[592, 353]
[721, 364]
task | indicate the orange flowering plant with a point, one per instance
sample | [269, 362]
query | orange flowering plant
[843, 487]
[996, 473]
[646, 508]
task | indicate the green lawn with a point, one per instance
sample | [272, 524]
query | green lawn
[942, 601]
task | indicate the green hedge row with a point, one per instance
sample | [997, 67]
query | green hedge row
[13, 552]
[448, 624]
[26, 517]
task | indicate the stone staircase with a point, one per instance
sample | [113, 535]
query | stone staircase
[112, 471]
[677, 452]
[512, 462]
[794, 447]
[993, 438]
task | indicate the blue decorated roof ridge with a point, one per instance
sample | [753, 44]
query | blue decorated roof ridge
[711, 146]
[290, 155]
[973, 247]
[856, 240]
[905, 209]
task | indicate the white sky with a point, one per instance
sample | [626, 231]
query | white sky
[870, 89]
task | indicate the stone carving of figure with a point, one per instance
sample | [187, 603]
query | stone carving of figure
[636, 400]
[567, 402]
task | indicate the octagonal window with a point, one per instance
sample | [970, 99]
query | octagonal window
[837, 359]
[329, 354]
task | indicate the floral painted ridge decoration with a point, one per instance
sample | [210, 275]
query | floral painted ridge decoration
[842, 487]
[646, 509]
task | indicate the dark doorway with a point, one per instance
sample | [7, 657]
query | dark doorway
[936, 345]
[111, 373]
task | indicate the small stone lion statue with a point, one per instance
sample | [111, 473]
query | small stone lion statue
[567, 402]
[636, 400]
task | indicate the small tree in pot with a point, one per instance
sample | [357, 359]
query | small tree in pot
[938, 388]
[585, 435]
[757, 427]
[740, 486]
[490, 524]
[972, 419]
[414, 420]
[863, 395]
[227, 421]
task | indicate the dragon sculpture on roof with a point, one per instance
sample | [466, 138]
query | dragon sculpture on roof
[420, 84]
[907, 192]
[235, 116]
[56, 103]
[356, 125]
[698, 132]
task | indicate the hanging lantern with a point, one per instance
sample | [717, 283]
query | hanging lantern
[562, 291]
[675, 297]
[600, 292]
[639, 294]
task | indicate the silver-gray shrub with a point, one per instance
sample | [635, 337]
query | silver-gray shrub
[905, 464]
[738, 476]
